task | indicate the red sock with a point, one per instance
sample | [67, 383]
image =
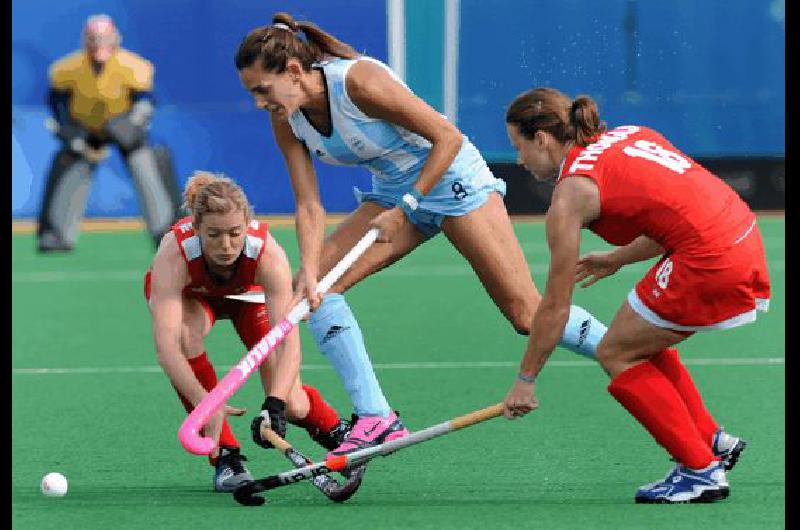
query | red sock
[669, 363]
[650, 397]
[321, 416]
[205, 373]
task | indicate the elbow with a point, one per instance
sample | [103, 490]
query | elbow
[450, 140]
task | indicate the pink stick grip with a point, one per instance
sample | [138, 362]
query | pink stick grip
[189, 433]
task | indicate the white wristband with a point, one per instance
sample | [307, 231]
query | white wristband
[410, 201]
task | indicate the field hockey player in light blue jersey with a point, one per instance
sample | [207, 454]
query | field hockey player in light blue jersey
[352, 110]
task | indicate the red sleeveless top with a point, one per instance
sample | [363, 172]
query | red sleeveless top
[203, 282]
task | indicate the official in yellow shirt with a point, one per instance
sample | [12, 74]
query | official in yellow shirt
[101, 95]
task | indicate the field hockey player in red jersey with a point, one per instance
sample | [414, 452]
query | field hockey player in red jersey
[216, 252]
[634, 189]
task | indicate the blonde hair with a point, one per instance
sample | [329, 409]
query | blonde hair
[208, 192]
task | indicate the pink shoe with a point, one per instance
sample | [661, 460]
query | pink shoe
[370, 431]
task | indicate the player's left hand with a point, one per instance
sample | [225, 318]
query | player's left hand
[388, 223]
[520, 400]
[595, 266]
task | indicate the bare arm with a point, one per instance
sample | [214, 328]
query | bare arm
[576, 201]
[595, 266]
[310, 215]
[378, 95]
[573, 205]
[640, 249]
[274, 274]
[169, 275]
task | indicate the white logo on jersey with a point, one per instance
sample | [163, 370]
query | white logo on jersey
[655, 153]
[663, 272]
[185, 227]
[586, 159]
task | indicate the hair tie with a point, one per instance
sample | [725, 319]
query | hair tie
[281, 25]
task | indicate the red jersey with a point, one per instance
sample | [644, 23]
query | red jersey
[202, 282]
[648, 187]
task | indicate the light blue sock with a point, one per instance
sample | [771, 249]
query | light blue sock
[339, 339]
[582, 333]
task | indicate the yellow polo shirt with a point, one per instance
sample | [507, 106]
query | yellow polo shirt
[95, 99]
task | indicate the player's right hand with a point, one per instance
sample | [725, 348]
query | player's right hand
[306, 287]
[273, 415]
[595, 266]
[213, 427]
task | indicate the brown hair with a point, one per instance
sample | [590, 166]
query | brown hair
[213, 193]
[274, 46]
[547, 109]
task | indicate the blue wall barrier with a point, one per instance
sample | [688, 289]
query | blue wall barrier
[204, 115]
[709, 75]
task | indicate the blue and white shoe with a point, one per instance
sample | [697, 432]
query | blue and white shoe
[230, 472]
[727, 448]
[684, 485]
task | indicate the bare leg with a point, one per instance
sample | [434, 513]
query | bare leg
[377, 257]
[631, 340]
[297, 405]
[195, 328]
[648, 394]
[486, 239]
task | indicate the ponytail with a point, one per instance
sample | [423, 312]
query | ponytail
[585, 119]
[547, 109]
[274, 45]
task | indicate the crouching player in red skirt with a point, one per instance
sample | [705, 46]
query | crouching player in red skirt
[221, 250]
[633, 188]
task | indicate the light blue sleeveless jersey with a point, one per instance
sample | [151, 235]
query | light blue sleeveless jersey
[393, 155]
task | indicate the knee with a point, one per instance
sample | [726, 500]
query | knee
[604, 355]
[617, 358]
[520, 313]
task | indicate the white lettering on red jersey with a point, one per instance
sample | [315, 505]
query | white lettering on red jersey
[201, 282]
[648, 187]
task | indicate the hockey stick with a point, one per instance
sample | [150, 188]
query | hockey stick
[246, 494]
[189, 433]
[328, 485]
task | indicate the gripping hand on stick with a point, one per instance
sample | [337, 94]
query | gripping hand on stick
[273, 415]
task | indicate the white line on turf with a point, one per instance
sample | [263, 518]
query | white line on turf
[406, 270]
[442, 365]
